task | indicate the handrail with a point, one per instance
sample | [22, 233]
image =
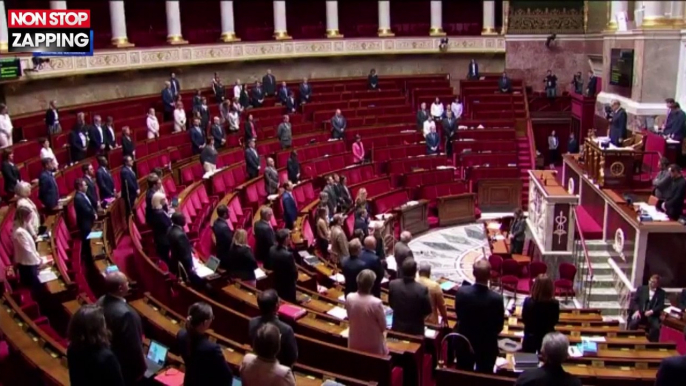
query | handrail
[529, 129]
[585, 282]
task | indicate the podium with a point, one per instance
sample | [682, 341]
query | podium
[612, 167]
[414, 217]
[456, 209]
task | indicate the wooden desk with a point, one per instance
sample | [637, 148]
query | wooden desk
[456, 209]
[414, 218]
[609, 168]
[499, 195]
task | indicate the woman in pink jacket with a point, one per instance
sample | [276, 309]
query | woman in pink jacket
[358, 149]
[366, 317]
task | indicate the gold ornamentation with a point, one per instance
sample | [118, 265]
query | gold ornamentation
[506, 11]
[122, 43]
[617, 169]
[436, 31]
[176, 40]
[282, 35]
[229, 37]
[545, 21]
[385, 33]
[489, 31]
[661, 22]
[333, 34]
[4, 47]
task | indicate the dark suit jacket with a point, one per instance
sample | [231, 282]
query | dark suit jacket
[373, 82]
[129, 185]
[218, 134]
[372, 261]
[547, 376]
[293, 168]
[361, 223]
[168, 100]
[127, 336]
[674, 204]
[50, 117]
[11, 175]
[472, 71]
[431, 142]
[641, 302]
[110, 138]
[93, 366]
[76, 148]
[252, 162]
[148, 205]
[618, 126]
[291, 104]
[204, 116]
[505, 84]
[539, 319]
[223, 237]
[269, 84]
[422, 115]
[160, 224]
[518, 229]
[480, 312]
[105, 183]
[241, 263]
[573, 146]
[285, 272]
[264, 240]
[592, 84]
[197, 139]
[338, 126]
[283, 95]
[48, 193]
[92, 191]
[305, 92]
[410, 303]
[257, 95]
[85, 213]
[94, 135]
[175, 86]
[289, 348]
[182, 253]
[351, 267]
[127, 146]
[672, 371]
[402, 252]
[290, 209]
[676, 124]
[244, 99]
[248, 131]
[204, 361]
[449, 128]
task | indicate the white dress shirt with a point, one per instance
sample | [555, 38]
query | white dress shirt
[437, 109]
[153, 126]
[5, 130]
[428, 124]
[456, 108]
[179, 120]
[84, 139]
[25, 252]
[46, 152]
[236, 91]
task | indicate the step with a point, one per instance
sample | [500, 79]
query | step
[603, 294]
[607, 308]
[603, 281]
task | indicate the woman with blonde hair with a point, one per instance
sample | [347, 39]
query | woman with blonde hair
[241, 263]
[23, 192]
[361, 200]
[26, 257]
[179, 118]
[540, 313]
[366, 317]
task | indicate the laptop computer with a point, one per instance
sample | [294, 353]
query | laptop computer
[207, 269]
[155, 358]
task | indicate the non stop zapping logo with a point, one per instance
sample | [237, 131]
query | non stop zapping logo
[50, 32]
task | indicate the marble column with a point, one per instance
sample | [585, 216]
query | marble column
[489, 18]
[616, 7]
[4, 37]
[675, 11]
[280, 30]
[228, 26]
[58, 5]
[505, 18]
[174, 23]
[385, 19]
[117, 23]
[653, 14]
[332, 20]
[436, 19]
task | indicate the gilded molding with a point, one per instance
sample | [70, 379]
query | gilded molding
[185, 55]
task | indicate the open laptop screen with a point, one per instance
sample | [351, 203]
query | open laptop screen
[157, 353]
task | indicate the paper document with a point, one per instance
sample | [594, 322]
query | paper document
[345, 333]
[600, 339]
[47, 275]
[429, 333]
[338, 313]
[259, 274]
[338, 278]
[95, 235]
[391, 263]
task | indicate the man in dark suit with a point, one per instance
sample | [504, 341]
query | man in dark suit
[372, 261]
[373, 80]
[96, 134]
[128, 148]
[283, 266]
[168, 102]
[104, 180]
[592, 84]
[504, 84]
[48, 193]
[352, 265]
[78, 143]
[52, 118]
[204, 113]
[129, 182]
[646, 308]
[480, 312]
[361, 221]
[223, 235]
[181, 250]
[197, 137]
[674, 202]
[672, 371]
[290, 208]
[338, 125]
[305, 92]
[110, 135]
[257, 96]
[283, 93]
[618, 120]
[291, 104]
[154, 184]
[473, 70]
[175, 85]
[432, 141]
[675, 124]
[401, 249]
[250, 129]
[264, 237]
[125, 326]
[86, 214]
[409, 301]
[10, 171]
[332, 192]
[268, 303]
[554, 353]
[422, 116]
[252, 160]
[218, 133]
[449, 130]
[572, 144]
[269, 83]
[89, 179]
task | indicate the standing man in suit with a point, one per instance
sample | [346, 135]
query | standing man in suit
[271, 178]
[646, 308]
[480, 312]
[78, 142]
[284, 133]
[197, 137]
[372, 261]
[338, 125]
[550, 83]
[168, 102]
[402, 249]
[52, 118]
[449, 130]
[504, 84]
[361, 221]
[618, 120]
[252, 160]
[283, 266]
[129, 182]
[89, 179]
[128, 147]
[257, 95]
[283, 93]
[422, 116]
[86, 214]
[104, 180]
[662, 183]
[97, 135]
[291, 104]
[181, 250]
[672, 371]
[269, 82]
[10, 171]
[373, 80]
[572, 144]
[592, 84]
[204, 112]
[409, 300]
[48, 193]
[223, 235]
[250, 130]
[110, 136]
[268, 303]
[517, 232]
[175, 85]
[473, 70]
[125, 326]
[352, 265]
[675, 124]
[218, 133]
[432, 140]
[674, 203]
[305, 92]
[264, 237]
[290, 208]
[332, 192]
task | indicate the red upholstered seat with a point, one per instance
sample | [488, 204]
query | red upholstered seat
[564, 286]
[510, 275]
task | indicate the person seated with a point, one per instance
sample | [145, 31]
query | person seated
[504, 84]
[554, 353]
[646, 308]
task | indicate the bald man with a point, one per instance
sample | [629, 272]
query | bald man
[481, 313]
[126, 328]
[402, 249]
[271, 178]
[338, 125]
[372, 261]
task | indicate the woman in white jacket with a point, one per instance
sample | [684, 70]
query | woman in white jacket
[5, 127]
[152, 124]
[46, 151]
[179, 118]
[234, 120]
[437, 110]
